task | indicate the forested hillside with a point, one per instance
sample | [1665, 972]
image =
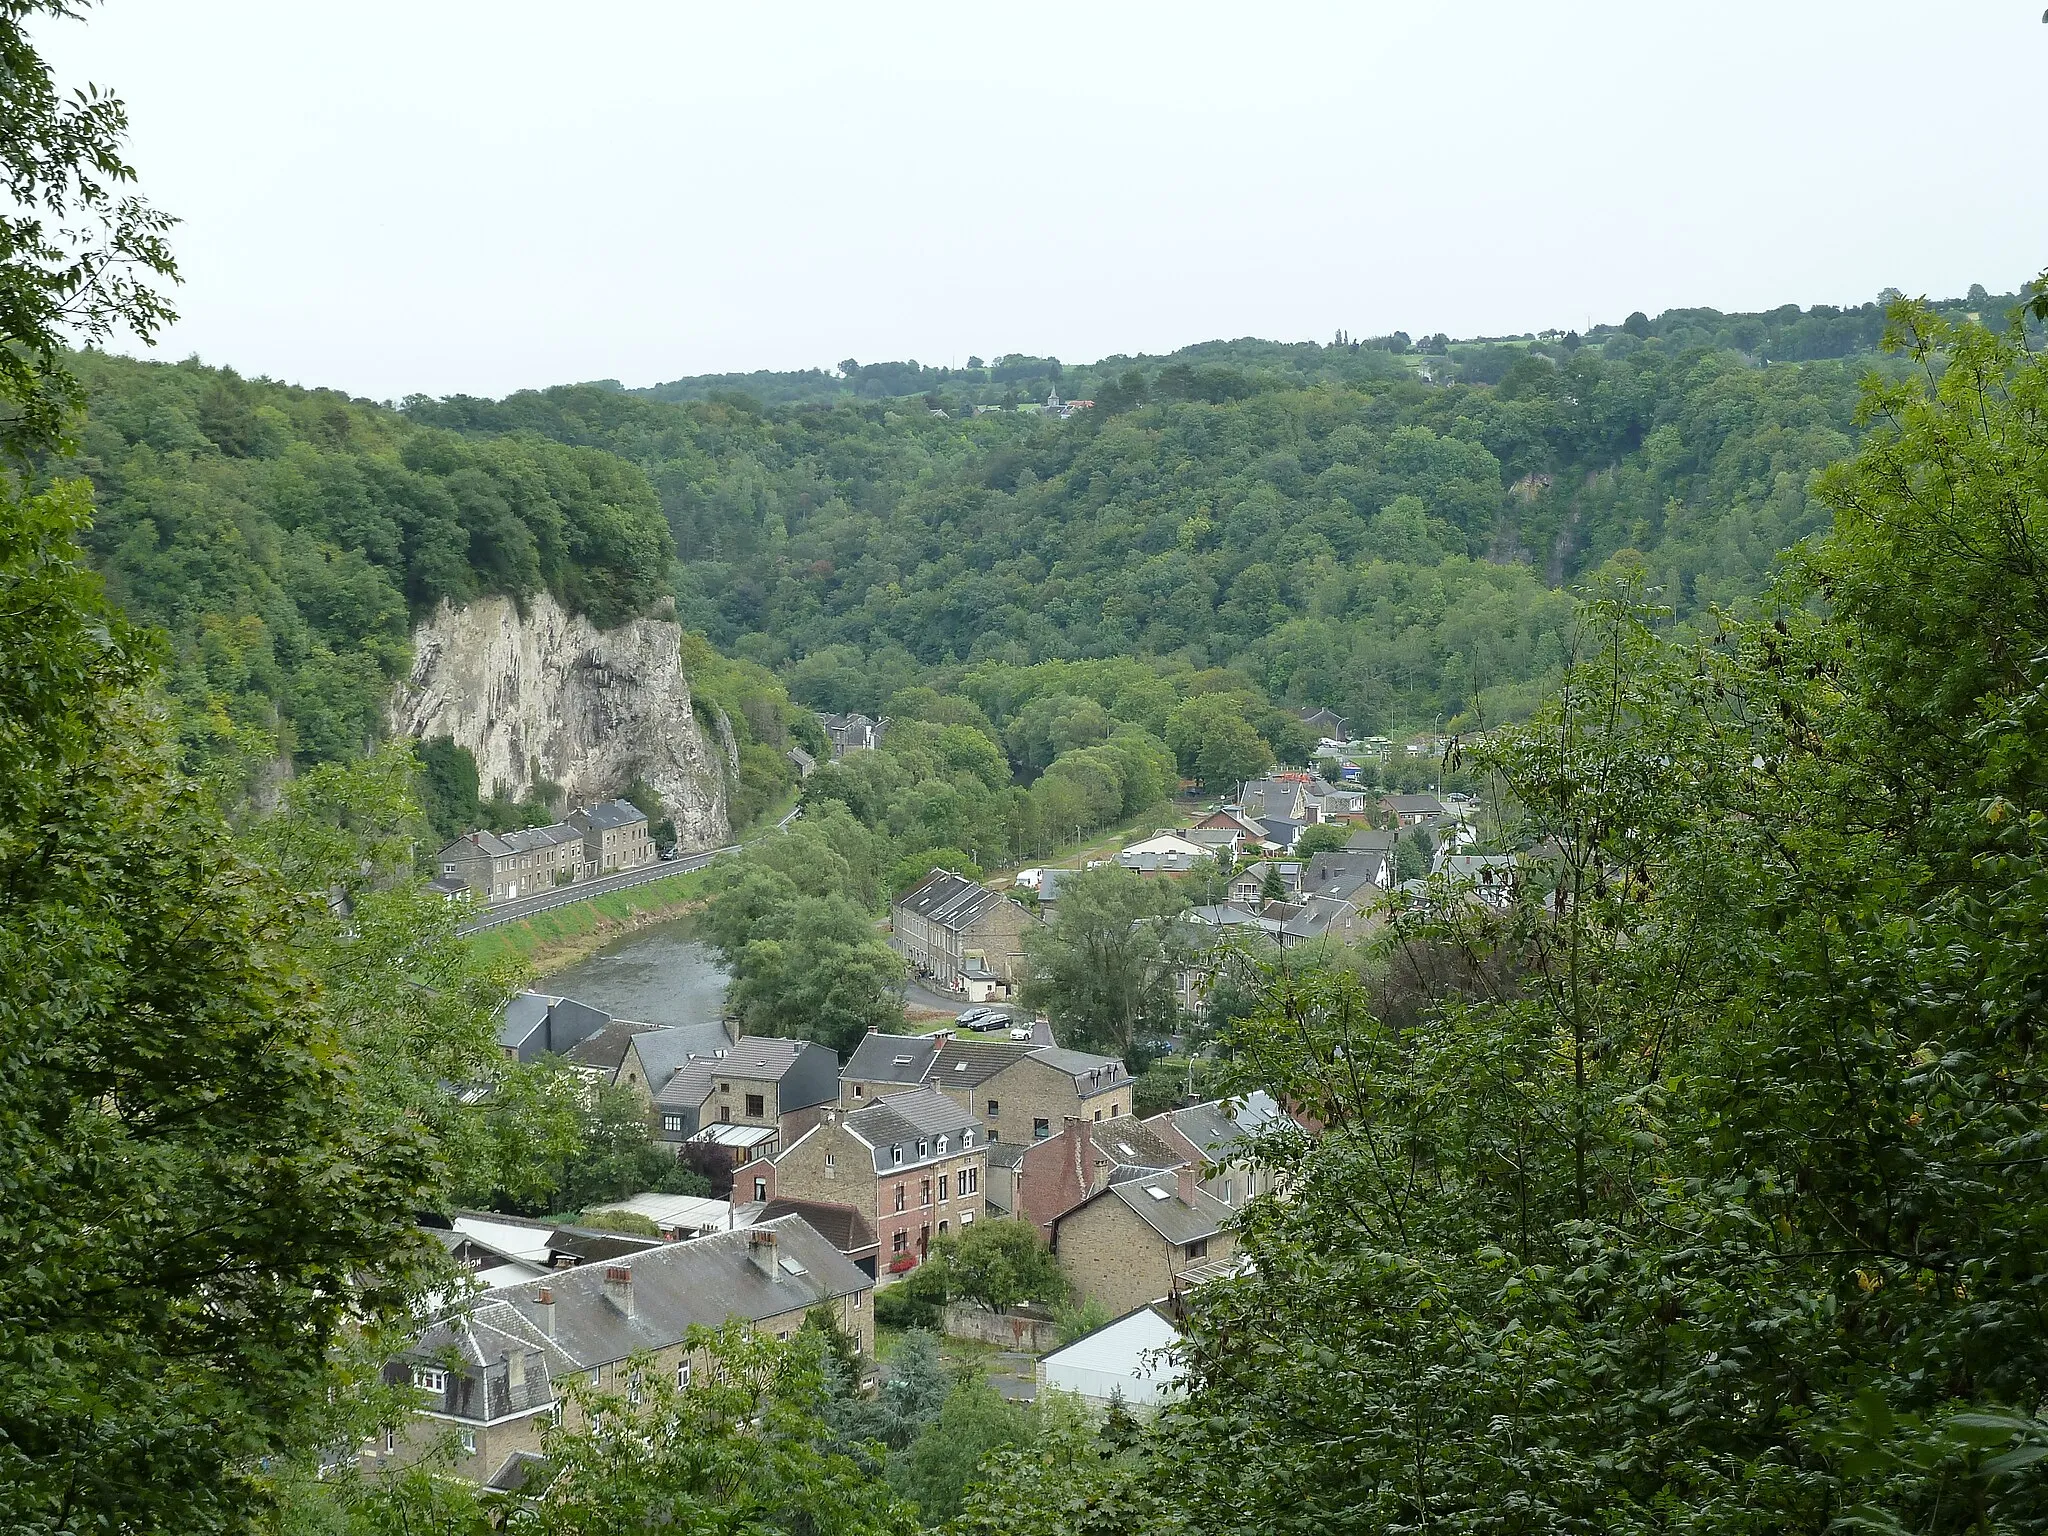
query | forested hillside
[284, 539]
[1321, 520]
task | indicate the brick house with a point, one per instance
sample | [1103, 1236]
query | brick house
[913, 1162]
[761, 1081]
[493, 1369]
[1129, 1243]
[949, 925]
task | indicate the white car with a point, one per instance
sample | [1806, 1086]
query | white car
[1022, 1032]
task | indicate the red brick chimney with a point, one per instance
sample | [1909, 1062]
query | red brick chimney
[1187, 1185]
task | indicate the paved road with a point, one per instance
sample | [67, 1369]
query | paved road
[562, 896]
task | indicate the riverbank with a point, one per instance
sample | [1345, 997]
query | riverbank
[555, 940]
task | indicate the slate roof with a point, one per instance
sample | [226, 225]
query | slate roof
[902, 1119]
[842, 1226]
[1165, 1213]
[522, 1016]
[1133, 1144]
[1049, 884]
[662, 1051]
[949, 900]
[905, 1059]
[1414, 805]
[965, 1063]
[706, 1280]
[689, 1085]
[1090, 1073]
[488, 842]
[613, 813]
[1371, 840]
[1217, 1127]
[532, 839]
[1267, 799]
[1344, 874]
[607, 1048]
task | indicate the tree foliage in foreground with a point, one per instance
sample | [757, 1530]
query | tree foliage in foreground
[1708, 1195]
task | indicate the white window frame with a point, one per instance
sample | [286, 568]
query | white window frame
[429, 1378]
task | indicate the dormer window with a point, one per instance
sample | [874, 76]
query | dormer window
[922, 1153]
[896, 1154]
[942, 1146]
[428, 1378]
[966, 1140]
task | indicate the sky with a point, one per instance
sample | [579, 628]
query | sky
[393, 197]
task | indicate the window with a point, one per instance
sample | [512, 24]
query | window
[390, 1441]
[859, 1089]
[942, 1229]
[831, 1166]
[896, 1156]
[683, 1377]
[671, 1122]
[760, 1189]
[924, 1192]
[1199, 1248]
[993, 1109]
[942, 1189]
[725, 1114]
[899, 1197]
[429, 1379]
[923, 1149]
[970, 1180]
[900, 1242]
[755, 1105]
[1230, 1191]
[783, 1336]
[966, 1140]
[942, 1146]
[856, 1299]
[1040, 1129]
[1098, 1117]
[633, 1389]
[725, 1087]
[1114, 1111]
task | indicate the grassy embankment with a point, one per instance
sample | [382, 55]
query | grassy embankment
[553, 940]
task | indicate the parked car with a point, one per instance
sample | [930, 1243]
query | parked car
[971, 1016]
[1022, 1032]
[994, 1020]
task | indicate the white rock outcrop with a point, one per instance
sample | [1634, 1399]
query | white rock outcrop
[546, 694]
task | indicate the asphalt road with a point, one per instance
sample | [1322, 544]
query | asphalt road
[562, 896]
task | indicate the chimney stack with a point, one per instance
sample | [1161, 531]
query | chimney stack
[1187, 1185]
[761, 1251]
[545, 1301]
[618, 1287]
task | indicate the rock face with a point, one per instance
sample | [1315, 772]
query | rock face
[548, 695]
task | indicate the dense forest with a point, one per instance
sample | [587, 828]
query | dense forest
[1320, 520]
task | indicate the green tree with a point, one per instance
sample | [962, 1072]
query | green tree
[1323, 837]
[1270, 886]
[205, 1195]
[1215, 743]
[941, 1464]
[999, 1263]
[1105, 967]
[745, 1448]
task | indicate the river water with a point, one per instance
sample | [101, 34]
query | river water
[658, 975]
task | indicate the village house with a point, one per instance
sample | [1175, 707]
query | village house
[1489, 877]
[1413, 810]
[852, 733]
[912, 1163]
[534, 1024]
[504, 866]
[949, 925]
[1055, 1175]
[766, 1084]
[1215, 1139]
[494, 1370]
[1019, 1090]
[1247, 886]
[654, 1056]
[845, 1227]
[495, 1250]
[1129, 1360]
[1343, 874]
[1246, 830]
[1164, 853]
[1130, 1242]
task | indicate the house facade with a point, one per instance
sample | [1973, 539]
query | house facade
[913, 1163]
[949, 925]
[615, 837]
[504, 866]
[758, 1081]
[1130, 1242]
[1041, 1092]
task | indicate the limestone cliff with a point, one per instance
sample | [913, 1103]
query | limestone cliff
[546, 694]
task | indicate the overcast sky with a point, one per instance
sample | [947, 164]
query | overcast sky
[399, 196]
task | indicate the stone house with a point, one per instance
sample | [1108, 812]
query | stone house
[761, 1081]
[1055, 1175]
[503, 866]
[949, 925]
[1413, 810]
[493, 1370]
[615, 836]
[534, 1024]
[1130, 1242]
[1038, 1094]
[912, 1163]
[1214, 1138]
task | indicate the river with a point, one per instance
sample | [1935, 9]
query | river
[658, 975]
